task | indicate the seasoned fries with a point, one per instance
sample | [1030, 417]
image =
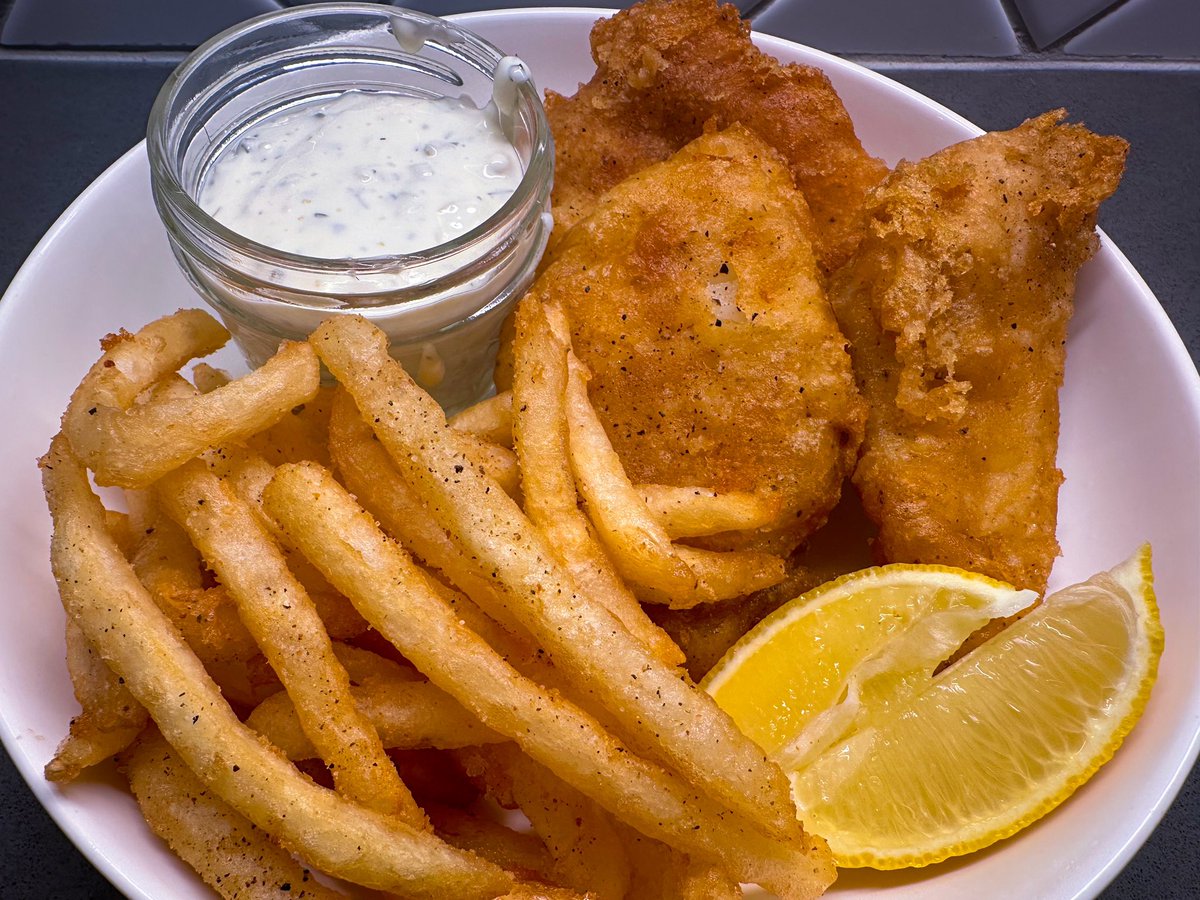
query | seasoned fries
[132, 445]
[583, 639]
[110, 720]
[102, 595]
[540, 433]
[698, 512]
[284, 622]
[490, 419]
[641, 548]
[250, 563]
[224, 848]
[407, 715]
[583, 841]
[394, 594]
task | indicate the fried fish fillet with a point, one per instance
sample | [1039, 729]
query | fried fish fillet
[665, 68]
[694, 298]
[956, 306]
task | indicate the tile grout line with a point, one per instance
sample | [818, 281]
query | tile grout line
[1017, 23]
[1061, 43]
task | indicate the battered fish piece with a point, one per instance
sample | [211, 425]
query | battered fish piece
[694, 298]
[665, 68]
[956, 307]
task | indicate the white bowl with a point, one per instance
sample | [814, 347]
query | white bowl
[1130, 442]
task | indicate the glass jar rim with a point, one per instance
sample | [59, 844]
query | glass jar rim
[169, 183]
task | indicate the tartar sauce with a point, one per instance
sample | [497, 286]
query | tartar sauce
[363, 174]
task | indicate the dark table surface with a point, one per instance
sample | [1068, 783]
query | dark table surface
[64, 116]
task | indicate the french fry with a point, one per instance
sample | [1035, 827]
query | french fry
[584, 640]
[407, 714]
[247, 472]
[662, 873]
[363, 665]
[534, 891]
[588, 853]
[499, 463]
[171, 568]
[134, 445]
[207, 379]
[101, 593]
[370, 473]
[164, 558]
[726, 574]
[641, 548]
[231, 855]
[122, 531]
[518, 852]
[398, 599]
[539, 430]
[697, 512]
[640, 544]
[301, 434]
[284, 621]
[721, 575]
[490, 419]
[110, 719]
[132, 362]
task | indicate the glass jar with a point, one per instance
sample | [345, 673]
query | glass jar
[441, 308]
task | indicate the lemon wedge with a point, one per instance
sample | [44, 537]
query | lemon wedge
[939, 765]
[796, 681]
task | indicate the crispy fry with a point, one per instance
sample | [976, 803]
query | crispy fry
[638, 541]
[490, 419]
[726, 574]
[518, 852]
[407, 714]
[110, 719]
[498, 463]
[207, 378]
[103, 596]
[641, 548]
[164, 558]
[540, 434]
[697, 512]
[584, 640]
[248, 472]
[233, 857]
[122, 531]
[587, 850]
[364, 665]
[285, 624]
[370, 473]
[302, 434]
[134, 445]
[394, 594]
[133, 362]
[661, 873]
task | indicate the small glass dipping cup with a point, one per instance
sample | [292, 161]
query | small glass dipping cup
[441, 308]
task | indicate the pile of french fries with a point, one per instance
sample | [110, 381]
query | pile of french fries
[335, 633]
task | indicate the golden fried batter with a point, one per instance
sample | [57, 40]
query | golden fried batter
[665, 68]
[956, 307]
[694, 298]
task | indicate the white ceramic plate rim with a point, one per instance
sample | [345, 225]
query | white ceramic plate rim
[1090, 874]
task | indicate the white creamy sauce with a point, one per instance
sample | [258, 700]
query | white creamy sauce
[364, 174]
